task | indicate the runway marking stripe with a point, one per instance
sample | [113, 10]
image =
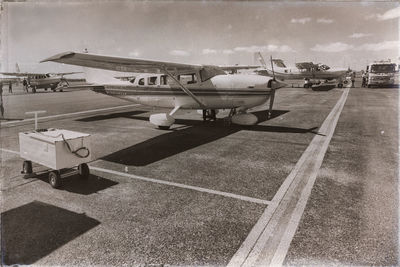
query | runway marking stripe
[249, 251]
[70, 114]
[9, 151]
[200, 189]
[196, 188]
[284, 245]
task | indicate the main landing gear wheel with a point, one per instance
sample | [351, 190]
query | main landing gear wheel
[55, 179]
[27, 168]
[34, 89]
[83, 171]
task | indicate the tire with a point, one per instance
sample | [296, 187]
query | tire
[27, 167]
[83, 171]
[55, 179]
[61, 90]
[34, 89]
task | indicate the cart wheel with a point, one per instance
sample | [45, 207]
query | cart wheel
[27, 167]
[54, 179]
[83, 171]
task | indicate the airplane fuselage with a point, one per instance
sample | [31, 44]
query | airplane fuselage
[218, 92]
[286, 73]
[44, 82]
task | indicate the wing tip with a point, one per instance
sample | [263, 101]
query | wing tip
[58, 56]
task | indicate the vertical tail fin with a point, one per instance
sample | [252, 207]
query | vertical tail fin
[17, 68]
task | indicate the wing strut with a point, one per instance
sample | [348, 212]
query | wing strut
[187, 91]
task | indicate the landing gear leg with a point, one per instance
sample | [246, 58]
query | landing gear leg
[213, 115]
[209, 114]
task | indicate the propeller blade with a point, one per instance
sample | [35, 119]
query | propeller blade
[271, 102]
[272, 67]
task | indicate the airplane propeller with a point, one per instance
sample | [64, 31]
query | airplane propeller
[273, 89]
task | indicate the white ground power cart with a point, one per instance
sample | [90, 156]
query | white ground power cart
[65, 152]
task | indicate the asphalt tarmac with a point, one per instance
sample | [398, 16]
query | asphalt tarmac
[209, 193]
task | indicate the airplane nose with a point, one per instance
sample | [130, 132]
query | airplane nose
[276, 84]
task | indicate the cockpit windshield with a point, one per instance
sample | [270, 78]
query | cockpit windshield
[208, 72]
[383, 68]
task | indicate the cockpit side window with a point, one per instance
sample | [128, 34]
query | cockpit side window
[141, 81]
[152, 80]
[132, 80]
[163, 79]
[187, 78]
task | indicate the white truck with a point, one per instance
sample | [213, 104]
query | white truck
[383, 74]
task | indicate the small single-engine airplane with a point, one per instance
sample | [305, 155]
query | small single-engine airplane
[40, 80]
[304, 70]
[178, 86]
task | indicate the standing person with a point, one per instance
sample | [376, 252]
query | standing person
[10, 87]
[1, 100]
[25, 84]
[353, 79]
[364, 79]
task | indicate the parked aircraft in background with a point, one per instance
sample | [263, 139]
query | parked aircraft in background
[178, 86]
[40, 80]
[304, 70]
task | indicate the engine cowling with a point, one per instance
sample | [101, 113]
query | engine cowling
[162, 120]
[244, 119]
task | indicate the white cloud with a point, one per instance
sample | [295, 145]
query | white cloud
[285, 48]
[264, 48]
[209, 51]
[180, 53]
[301, 20]
[390, 14]
[340, 47]
[227, 51]
[134, 54]
[332, 47]
[359, 35]
[325, 21]
[385, 45]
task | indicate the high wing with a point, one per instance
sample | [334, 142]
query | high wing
[28, 74]
[65, 73]
[235, 68]
[20, 74]
[129, 65]
[121, 64]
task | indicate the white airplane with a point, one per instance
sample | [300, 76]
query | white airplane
[178, 86]
[304, 70]
[40, 80]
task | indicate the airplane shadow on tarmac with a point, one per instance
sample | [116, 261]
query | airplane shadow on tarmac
[34, 230]
[75, 184]
[177, 141]
[127, 114]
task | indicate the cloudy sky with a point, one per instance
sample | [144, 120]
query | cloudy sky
[339, 34]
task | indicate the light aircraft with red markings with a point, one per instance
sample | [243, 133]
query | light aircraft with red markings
[177, 86]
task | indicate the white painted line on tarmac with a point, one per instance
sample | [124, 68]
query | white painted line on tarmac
[152, 180]
[196, 188]
[284, 245]
[9, 151]
[250, 251]
[69, 114]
